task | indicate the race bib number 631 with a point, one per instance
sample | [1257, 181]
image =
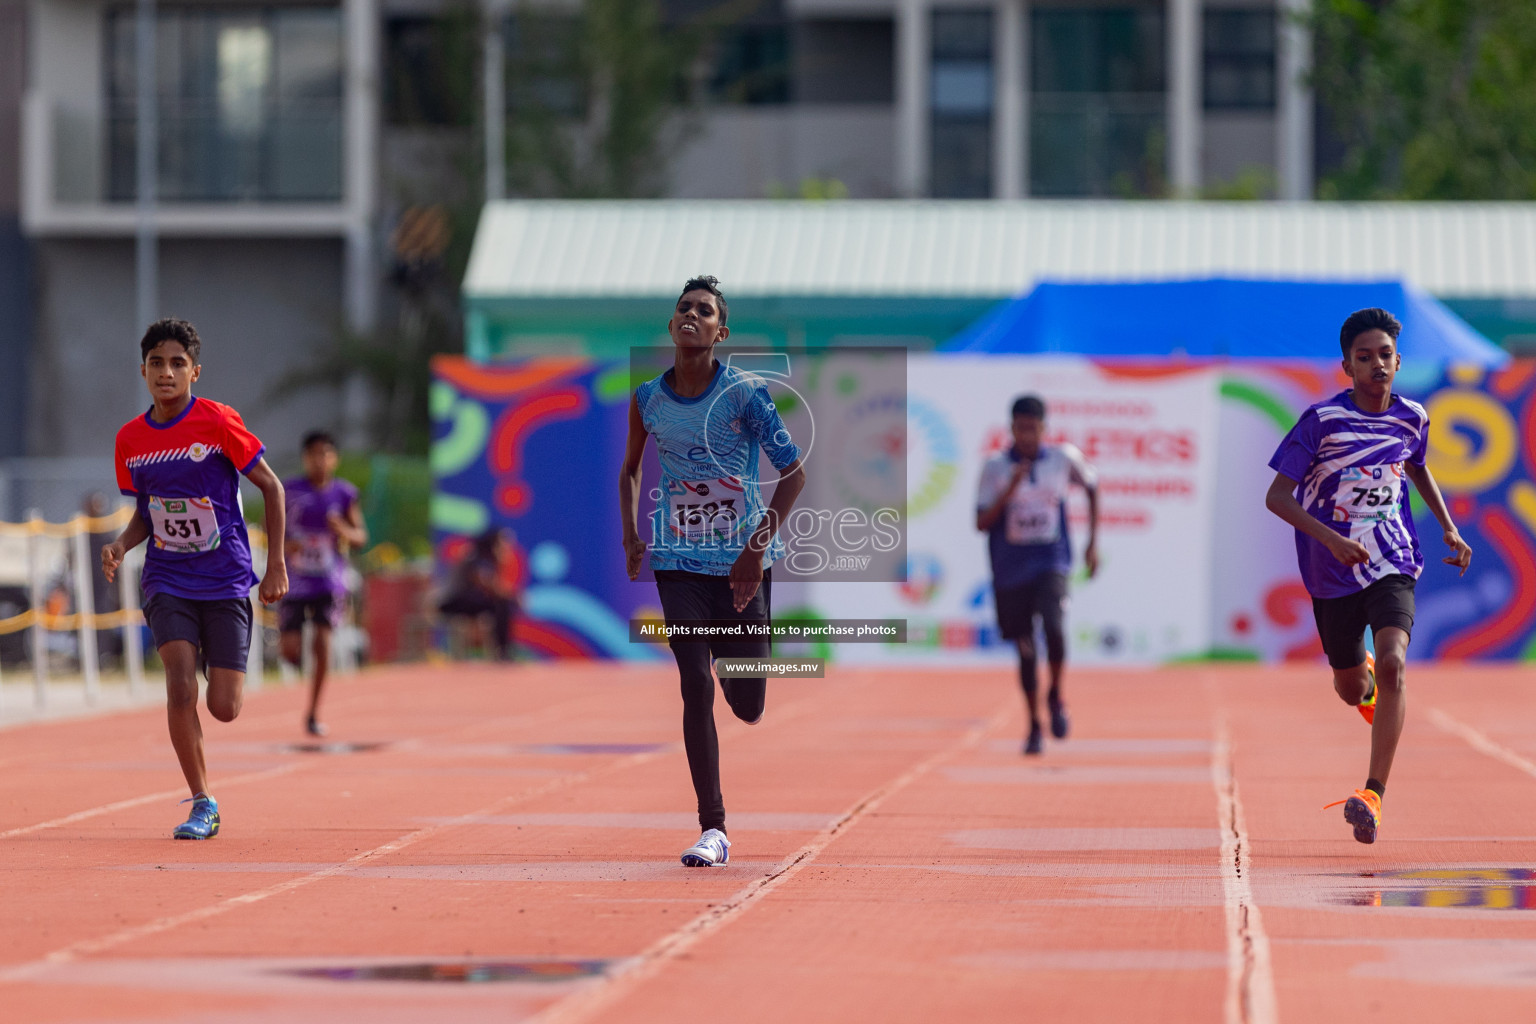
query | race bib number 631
[184, 525]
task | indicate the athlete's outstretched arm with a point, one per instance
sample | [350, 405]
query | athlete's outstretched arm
[134, 534]
[1424, 481]
[1281, 500]
[350, 528]
[274, 583]
[629, 490]
[1090, 487]
[747, 570]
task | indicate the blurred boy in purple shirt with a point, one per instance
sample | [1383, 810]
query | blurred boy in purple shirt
[324, 521]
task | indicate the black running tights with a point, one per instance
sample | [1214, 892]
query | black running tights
[699, 597]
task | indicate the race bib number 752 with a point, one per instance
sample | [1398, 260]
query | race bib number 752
[1369, 493]
[184, 525]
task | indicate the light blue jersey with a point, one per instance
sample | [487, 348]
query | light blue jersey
[710, 498]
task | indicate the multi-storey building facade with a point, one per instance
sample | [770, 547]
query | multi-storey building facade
[292, 132]
[1018, 98]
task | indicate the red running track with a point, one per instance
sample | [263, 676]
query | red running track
[895, 858]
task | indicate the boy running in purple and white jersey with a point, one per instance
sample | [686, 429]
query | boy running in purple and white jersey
[324, 520]
[1021, 504]
[1339, 481]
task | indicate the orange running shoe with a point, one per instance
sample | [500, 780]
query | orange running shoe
[1367, 707]
[1363, 811]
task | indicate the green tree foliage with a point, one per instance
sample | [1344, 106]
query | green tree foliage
[1433, 99]
[588, 98]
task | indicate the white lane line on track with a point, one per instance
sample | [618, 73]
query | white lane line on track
[88, 947]
[1479, 742]
[266, 773]
[168, 794]
[604, 992]
[1250, 995]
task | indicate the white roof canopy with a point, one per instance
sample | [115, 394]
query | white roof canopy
[641, 248]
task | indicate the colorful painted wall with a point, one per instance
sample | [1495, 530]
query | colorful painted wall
[1482, 451]
[535, 446]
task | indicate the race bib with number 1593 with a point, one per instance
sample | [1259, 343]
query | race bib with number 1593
[700, 509]
[184, 525]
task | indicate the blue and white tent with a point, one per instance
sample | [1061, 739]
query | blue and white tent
[1220, 318]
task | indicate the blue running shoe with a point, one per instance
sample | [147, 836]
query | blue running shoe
[1032, 745]
[1059, 721]
[711, 851]
[203, 822]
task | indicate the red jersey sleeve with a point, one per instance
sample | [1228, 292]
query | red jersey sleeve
[124, 477]
[242, 447]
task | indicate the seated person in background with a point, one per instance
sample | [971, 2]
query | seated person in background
[477, 586]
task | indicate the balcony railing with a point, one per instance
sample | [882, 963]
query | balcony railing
[292, 155]
[282, 176]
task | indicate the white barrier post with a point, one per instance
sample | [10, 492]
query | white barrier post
[253, 657]
[37, 598]
[307, 652]
[133, 637]
[85, 610]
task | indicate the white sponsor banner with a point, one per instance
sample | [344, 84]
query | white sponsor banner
[1152, 436]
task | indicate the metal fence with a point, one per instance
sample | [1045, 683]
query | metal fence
[48, 592]
[57, 608]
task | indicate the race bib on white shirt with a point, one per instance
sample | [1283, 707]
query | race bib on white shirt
[184, 525]
[314, 554]
[1034, 515]
[698, 509]
[1369, 494]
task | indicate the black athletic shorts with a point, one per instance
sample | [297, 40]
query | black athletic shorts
[1044, 595]
[220, 629]
[324, 610]
[1341, 621]
[697, 597]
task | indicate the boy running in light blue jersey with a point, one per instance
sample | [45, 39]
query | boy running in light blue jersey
[714, 539]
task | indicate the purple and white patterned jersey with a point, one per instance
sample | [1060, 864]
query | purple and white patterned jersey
[1348, 465]
[318, 567]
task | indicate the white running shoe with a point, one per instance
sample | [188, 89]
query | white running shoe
[711, 851]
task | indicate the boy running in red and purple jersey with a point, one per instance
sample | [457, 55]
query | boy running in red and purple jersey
[181, 461]
[1339, 481]
[324, 520]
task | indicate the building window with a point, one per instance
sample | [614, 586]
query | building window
[845, 61]
[961, 104]
[1239, 59]
[429, 71]
[249, 104]
[1098, 93]
[545, 65]
[752, 64]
